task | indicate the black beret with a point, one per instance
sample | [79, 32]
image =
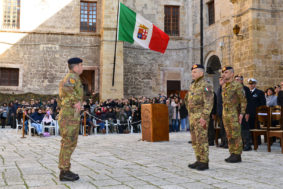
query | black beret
[227, 68]
[75, 61]
[195, 66]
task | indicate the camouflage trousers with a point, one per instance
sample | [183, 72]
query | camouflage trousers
[199, 138]
[233, 131]
[69, 129]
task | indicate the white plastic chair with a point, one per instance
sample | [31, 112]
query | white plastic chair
[30, 127]
[19, 125]
[96, 125]
[51, 126]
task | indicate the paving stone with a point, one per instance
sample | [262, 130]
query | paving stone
[123, 161]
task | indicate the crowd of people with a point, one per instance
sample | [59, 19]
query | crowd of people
[125, 109]
[112, 110]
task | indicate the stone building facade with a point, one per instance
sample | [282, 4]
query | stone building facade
[49, 34]
[257, 49]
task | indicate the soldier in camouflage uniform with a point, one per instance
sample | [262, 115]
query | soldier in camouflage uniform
[234, 107]
[70, 96]
[199, 102]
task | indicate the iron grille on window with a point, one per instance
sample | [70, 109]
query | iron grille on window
[88, 16]
[171, 20]
[9, 77]
[11, 14]
[211, 13]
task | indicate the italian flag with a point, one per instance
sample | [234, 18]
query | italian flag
[133, 28]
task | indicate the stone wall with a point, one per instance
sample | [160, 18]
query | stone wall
[146, 72]
[256, 51]
[259, 53]
[42, 59]
[47, 38]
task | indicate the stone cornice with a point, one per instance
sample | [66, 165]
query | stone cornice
[256, 9]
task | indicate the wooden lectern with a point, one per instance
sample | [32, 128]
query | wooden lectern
[155, 122]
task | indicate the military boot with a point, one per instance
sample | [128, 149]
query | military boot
[193, 165]
[228, 159]
[202, 166]
[68, 176]
[235, 158]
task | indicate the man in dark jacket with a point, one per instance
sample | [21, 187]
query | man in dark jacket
[258, 99]
[245, 128]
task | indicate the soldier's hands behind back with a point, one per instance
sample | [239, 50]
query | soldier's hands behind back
[202, 123]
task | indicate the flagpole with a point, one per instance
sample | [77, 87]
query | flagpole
[114, 65]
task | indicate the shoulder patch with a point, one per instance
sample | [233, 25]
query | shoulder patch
[72, 81]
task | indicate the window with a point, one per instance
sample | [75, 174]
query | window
[171, 20]
[11, 13]
[9, 77]
[211, 13]
[88, 16]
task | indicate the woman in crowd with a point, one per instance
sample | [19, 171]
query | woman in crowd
[47, 119]
[176, 114]
[4, 114]
[271, 98]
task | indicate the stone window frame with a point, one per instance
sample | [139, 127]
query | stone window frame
[16, 4]
[177, 26]
[20, 84]
[96, 19]
[211, 12]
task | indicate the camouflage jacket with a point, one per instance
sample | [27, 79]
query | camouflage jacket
[199, 98]
[70, 90]
[233, 96]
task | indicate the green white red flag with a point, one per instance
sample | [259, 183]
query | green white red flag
[133, 28]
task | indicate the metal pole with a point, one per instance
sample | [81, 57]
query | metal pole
[114, 64]
[201, 32]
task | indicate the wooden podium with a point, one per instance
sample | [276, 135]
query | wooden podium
[155, 122]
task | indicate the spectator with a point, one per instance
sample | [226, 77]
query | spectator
[271, 98]
[122, 116]
[100, 119]
[4, 113]
[53, 105]
[170, 114]
[136, 118]
[176, 114]
[89, 122]
[36, 119]
[183, 115]
[277, 88]
[28, 113]
[128, 111]
[258, 99]
[47, 119]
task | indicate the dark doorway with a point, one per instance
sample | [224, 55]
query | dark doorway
[173, 87]
[87, 78]
[212, 70]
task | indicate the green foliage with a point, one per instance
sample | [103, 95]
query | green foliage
[26, 96]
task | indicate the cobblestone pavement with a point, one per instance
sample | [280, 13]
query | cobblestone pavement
[124, 161]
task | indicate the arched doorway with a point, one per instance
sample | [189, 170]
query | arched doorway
[212, 70]
[88, 82]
